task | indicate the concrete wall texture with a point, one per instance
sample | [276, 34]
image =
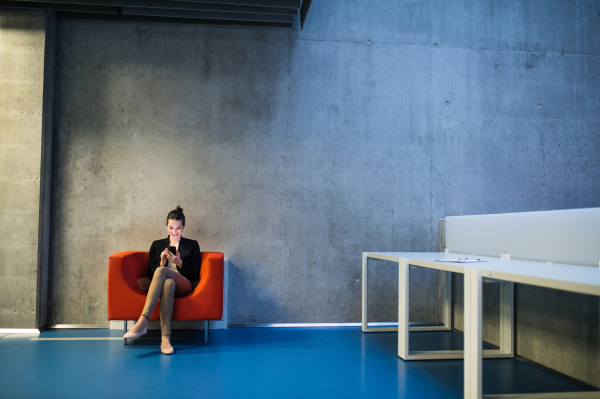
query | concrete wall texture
[22, 49]
[293, 151]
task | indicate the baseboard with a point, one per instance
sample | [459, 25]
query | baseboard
[302, 325]
[19, 331]
[59, 326]
[293, 325]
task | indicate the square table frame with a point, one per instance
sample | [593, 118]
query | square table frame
[506, 349]
[446, 303]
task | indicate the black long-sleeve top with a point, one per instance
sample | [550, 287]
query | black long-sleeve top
[189, 251]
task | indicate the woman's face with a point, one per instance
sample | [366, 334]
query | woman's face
[175, 228]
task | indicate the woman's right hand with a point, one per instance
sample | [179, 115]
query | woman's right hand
[163, 257]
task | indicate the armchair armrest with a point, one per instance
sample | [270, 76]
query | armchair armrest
[210, 287]
[124, 268]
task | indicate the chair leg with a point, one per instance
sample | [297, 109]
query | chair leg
[205, 332]
[125, 329]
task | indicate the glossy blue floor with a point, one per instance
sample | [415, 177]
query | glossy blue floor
[248, 363]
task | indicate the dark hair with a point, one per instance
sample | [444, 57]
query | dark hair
[176, 214]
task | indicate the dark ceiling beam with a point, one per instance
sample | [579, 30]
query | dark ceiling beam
[304, 12]
[264, 3]
[270, 13]
[180, 5]
[58, 7]
[166, 20]
[159, 12]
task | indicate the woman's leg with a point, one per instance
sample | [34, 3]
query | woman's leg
[166, 306]
[182, 288]
[174, 286]
[154, 292]
[166, 310]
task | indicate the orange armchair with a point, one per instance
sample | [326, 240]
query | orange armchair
[126, 299]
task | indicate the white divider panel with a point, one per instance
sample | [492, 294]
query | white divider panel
[479, 234]
[566, 236]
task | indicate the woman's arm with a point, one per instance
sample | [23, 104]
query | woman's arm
[192, 268]
[152, 263]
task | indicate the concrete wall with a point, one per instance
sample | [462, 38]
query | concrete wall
[559, 330]
[293, 151]
[26, 108]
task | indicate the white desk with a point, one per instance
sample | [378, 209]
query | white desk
[580, 279]
[406, 260]
[574, 278]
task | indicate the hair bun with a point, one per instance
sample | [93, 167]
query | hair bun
[179, 209]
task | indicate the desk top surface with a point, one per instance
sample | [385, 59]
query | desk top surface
[553, 275]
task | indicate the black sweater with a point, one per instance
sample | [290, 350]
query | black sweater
[189, 251]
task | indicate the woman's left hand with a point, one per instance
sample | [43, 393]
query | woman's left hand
[175, 259]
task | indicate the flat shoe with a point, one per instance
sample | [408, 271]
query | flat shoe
[167, 351]
[134, 336]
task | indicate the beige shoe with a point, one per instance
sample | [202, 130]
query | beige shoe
[134, 336]
[169, 351]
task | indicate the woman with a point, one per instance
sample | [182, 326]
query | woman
[171, 275]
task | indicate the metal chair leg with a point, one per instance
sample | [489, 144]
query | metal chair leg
[125, 329]
[205, 332]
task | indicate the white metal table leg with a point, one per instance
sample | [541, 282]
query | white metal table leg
[447, 298]
[507, 315]
[365, 300]
[403, 323]
[473, 333]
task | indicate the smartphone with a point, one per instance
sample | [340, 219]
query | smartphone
[173, 250]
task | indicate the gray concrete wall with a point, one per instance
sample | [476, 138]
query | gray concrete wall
[23, 128]
[271, 156]
[559, 330]
[294, 151]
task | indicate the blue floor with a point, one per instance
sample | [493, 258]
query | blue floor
[249, 363]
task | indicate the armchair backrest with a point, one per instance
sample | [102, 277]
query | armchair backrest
[125, 268]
